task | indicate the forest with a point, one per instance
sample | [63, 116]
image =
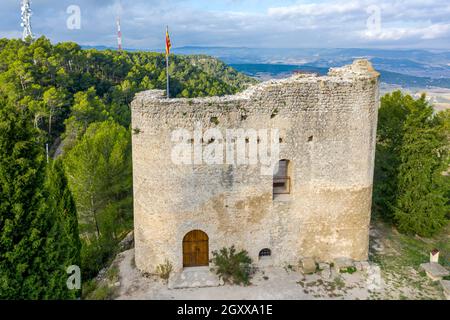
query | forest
[74, 207]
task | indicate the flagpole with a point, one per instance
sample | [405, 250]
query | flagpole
[167, 66]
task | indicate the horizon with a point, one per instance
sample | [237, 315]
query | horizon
[362, 24]
[272, 48]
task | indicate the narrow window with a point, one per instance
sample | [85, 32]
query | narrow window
[281, 179]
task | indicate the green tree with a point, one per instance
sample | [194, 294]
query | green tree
[22, 222]
[34, 215]
[391, 116]
[63, 243]
[54, 100]
[421, 203]
[99, 170]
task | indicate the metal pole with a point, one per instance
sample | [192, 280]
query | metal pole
[167, 72]
[46, 151]
[167, 64]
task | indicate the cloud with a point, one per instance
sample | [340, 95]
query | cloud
[434, 31]
[314, 9]
[263, 23]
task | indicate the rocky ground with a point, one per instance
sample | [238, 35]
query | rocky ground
[391, 273]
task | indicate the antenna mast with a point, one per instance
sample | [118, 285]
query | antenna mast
[119, 35]
[26, 19]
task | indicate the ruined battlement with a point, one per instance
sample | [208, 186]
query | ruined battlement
[327, 128]
[361, 70]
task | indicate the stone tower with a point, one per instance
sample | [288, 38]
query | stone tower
[315, 204]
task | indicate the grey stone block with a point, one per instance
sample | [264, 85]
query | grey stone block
[308, 265]
[434, 270]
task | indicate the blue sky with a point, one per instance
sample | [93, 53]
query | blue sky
[250, 23]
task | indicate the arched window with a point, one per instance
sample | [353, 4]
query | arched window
[265, 252]
[282, 179]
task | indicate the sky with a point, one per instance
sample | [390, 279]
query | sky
[238, 23]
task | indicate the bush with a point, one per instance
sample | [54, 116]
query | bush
[102, 292]
[95, 255]
[164, 270]
[233, 267]
[348, 270]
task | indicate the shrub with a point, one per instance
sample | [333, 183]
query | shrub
[93, 290]
[348, 270]
[233, 267]
[103, 292]
[164, 270]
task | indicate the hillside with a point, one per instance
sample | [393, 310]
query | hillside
[77, 102]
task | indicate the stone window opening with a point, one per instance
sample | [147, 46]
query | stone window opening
[282, 179]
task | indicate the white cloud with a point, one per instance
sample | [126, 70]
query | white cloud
[434, 31]
[315, 9]
[331, 23]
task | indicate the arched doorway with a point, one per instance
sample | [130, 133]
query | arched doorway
[195, 249]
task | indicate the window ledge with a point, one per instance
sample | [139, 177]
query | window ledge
[282, 197]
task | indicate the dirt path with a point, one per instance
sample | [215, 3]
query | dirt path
[392, 273]
[268, 283]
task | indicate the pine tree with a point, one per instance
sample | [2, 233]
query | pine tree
[391, 117]
[23, 223]
[421, 203]
[63, 243]
[39, 236]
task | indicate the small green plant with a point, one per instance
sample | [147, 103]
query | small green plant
[339, 283]
[88, 287]
[136, 131]
[95, 291]
[164, 270]
[274, 113]
[318, 269]
[103, 292]
[350, 270]
[214, 120]
[113, 273]
[232, 267]
[288, 268]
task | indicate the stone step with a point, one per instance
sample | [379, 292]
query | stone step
[194, 277]
[434, 270]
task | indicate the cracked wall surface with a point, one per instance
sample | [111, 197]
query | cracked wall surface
[328, 128]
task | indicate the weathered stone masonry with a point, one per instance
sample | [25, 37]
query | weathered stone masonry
[328, 127]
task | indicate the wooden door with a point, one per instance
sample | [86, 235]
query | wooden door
[195, 249]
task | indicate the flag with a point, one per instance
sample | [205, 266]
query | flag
[168, 44]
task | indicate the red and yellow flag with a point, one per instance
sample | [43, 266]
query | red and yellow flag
[168, 44]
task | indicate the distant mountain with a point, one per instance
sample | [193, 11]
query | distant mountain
[101, 48]
[267, 71]
[405, 67]
[420, 63]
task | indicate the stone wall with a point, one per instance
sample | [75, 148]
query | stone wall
[327, 125]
